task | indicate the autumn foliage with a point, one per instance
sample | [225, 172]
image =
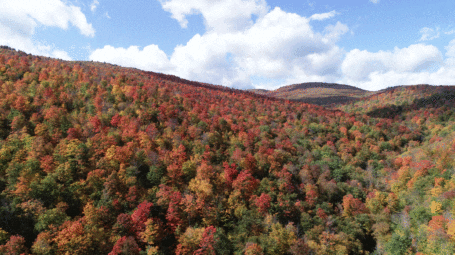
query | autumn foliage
[99, 159]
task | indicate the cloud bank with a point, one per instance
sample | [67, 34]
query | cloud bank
[20, 18]
[253, 46]
[280, 48]
[276, 46]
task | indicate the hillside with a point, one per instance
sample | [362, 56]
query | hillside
[100, 159]
[317, 93]
[399, 96]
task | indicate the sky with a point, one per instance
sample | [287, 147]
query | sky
[370, 44]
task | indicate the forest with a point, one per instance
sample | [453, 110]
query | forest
[100, 159]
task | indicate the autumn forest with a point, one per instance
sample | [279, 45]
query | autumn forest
[101, 159]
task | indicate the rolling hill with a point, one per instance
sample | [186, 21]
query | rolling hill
[101, 159]
[317, 93]
[422, 95]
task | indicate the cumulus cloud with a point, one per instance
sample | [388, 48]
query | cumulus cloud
[278, 46]
[325, 64]
[149, 58]
[219, 16]
[61, 55]
[357, 64]
[379, 80]
[278, 42]
[271, 48]
[429, 34]
[28, 14]
[19, 19]
[374, 1]
[376, 70]
[334, 32]
[203, 58]
[450, 54]
[450, 49]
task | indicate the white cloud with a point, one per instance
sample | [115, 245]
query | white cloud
[429, 34]
[325, 64]
[203, 58]
[279, 46]
[275, 43]
[19, 19]
[378, 80]
[61, 55]
[273, 48]
[107, 15]
[323, 16]
[94, 4]
[450, 54]
[415, 58]
[46, 12]
[358, 65]
[415, 64]
[374, 1]
[450, 49]
[450, 32]
[279, 42]
[149, 58]
[282, 48]
[333, 32]
[219, 16]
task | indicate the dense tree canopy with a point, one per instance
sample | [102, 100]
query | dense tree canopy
[99, 159]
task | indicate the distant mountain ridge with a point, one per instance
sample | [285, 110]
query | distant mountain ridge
[319, 93]
[309, 85]
[409, 97]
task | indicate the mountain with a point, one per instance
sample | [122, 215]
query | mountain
[318, 93]
[100, 159]
[421, 96]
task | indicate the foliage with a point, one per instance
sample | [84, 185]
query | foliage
[99, 159]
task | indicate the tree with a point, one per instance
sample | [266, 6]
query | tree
[280, 239]
[73, 239]
[208, 242]
[245, 183]
[230, 172]
[189, 241]
[51, 218]
[15, 245]
[263, 202]
[43, 244]
[125, 246]
[352, 206]
[178, 156]
[253, 249]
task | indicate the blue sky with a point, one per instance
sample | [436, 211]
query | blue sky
[371, 44]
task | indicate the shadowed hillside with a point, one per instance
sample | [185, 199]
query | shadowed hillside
[398, 98]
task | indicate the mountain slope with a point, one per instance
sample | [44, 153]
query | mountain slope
[100, 159]
[317, 93]
[397, 96]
